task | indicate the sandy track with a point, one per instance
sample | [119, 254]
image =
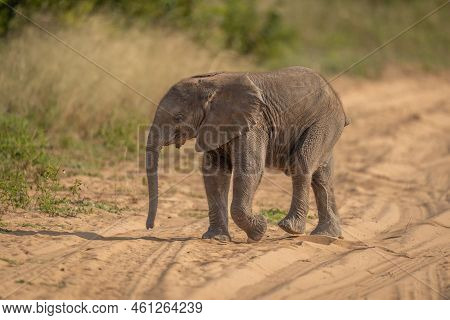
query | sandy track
[392, 185]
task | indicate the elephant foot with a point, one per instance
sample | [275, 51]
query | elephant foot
[259, 227]
[217, 234]
[292, 225]
[329, 228]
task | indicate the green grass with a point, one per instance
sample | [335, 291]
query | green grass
[29, 174]
[23, 162]
[273, 215]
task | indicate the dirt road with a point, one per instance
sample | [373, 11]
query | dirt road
[392, 185]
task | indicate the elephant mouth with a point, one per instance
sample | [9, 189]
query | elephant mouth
[179, 139]
[180, 142]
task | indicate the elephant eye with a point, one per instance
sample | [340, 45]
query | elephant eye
[179, 118]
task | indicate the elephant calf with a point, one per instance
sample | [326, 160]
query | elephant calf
[289, 119]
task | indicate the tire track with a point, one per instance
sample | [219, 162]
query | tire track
[384, 275]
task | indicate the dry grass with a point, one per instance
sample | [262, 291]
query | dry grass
[66, 95]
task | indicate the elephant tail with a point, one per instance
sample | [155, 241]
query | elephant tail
[347, 119]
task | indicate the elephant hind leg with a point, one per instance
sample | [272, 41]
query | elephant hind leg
[294, 222]
[303, 161]
[329, 223]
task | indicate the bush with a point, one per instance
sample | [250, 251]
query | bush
[251, 32]
[234, 24]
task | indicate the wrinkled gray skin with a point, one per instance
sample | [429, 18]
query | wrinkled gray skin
[288, 119]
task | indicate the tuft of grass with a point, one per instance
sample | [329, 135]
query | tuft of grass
[273, 215]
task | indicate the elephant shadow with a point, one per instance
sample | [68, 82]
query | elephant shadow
[91, 236]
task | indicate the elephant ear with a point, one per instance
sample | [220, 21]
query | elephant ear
[232, 110]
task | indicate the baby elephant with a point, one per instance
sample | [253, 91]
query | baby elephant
[289, 119]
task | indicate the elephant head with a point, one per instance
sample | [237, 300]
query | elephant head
[214, 108]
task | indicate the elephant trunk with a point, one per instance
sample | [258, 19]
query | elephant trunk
[152, 156]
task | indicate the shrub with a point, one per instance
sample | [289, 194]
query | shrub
[234, 24]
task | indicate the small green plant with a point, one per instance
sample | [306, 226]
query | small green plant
[273, 215]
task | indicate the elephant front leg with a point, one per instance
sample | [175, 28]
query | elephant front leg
[248, 166]
[244, 187]
[216, 169]
[294, 222]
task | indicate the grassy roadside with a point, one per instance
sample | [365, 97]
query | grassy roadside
[30, 174]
